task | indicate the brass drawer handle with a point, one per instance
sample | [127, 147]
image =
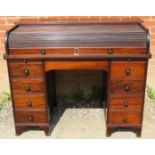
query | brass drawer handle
[110, 51]
[30, 118]
[125, 104]
[76, 51]
[27, 88]
[43, 51]
[125, 120]
[127, 71]
[29, 104]
[126, 88]
[26, 72]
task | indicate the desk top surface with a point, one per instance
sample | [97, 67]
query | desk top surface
[49, 35]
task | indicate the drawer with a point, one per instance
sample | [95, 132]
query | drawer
[31, 117]
[124, 118]
[24, 86]
[60, 51]
[30, 101]
[26, 70]
[127, 87]
[126, 103]
[78, 51]
[124, 69]
[129, 50]
[129, 100]
[125, 106]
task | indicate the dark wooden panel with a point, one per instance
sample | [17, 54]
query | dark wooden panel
[76, 65]
[128, 69]
[18, 86]
[34, 69]
[78, 35]
[31, 117]
[76, 44]
[124, 118]
[118, 87]
[30, 101]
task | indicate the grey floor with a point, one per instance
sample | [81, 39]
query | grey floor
[81, 122]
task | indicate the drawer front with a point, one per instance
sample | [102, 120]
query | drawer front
[127, 87]
[125, 106]
[129, 50]
[78, 51]
[22, 86]
[29, 101]
[126, 103]
[129, 100]
[31, 117]
[124, 69]
[61, 51]
[124, 118]
[26, 70]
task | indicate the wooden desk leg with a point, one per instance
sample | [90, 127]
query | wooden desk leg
[21, 129]
[109, 131]
[18, 130]
[47, 131]
[138, 134]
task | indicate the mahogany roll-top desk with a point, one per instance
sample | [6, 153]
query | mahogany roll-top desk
[34, 51]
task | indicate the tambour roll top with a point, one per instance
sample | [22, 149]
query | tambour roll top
[48, 35]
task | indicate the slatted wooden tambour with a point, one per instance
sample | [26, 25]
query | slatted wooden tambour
[121, 48]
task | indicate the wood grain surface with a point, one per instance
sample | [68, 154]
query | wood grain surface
[34, 70]
[78, 35]
[18, 86]
[80, 51]
[136, 87]
[37, 101]
[37, 117]
[136, 69]
[117, 118]
[76, 65]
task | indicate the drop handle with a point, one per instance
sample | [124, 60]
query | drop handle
[26, 72]
[110, 51]
[125, 120]
[27, 88]
[43, 52]
[126, 88]
[30, 118]
[76, 51]
[128, 71]
[29, 104]
[125, 104]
